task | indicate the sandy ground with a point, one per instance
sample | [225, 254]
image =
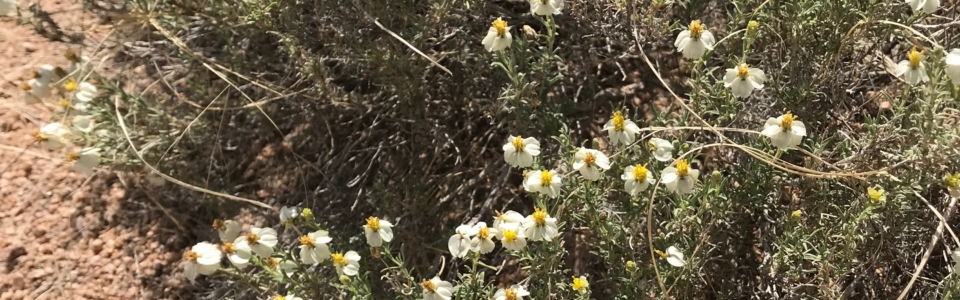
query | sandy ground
[65, 235]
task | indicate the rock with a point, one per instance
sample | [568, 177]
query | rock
[29, 47]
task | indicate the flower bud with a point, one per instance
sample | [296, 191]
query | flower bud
[307, 214]
[344, 279]
[715, 177]
[529, 32]
[752, 28]
[796, 215]
[631, 266]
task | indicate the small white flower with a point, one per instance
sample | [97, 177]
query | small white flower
[203, 259]
[546, 7]
[313, 247]
[482, 240]
[34, 91]
[540, 226]
[498, 37]
[913, 70]
[459, 243]
[287, 267]
[620, 130]
[87, 159]
[507, 218]
[86, 92]
[262, 240]
[589, 162]
[55, 135]
[288, 214]
[83, 123]
[661, 148]
[743, 79]
[519, 152]
[784, 132]
[695, 41]
[675, 257]
[7, 7]
[47, 74]
[346, 264]
[928, 6]
[636, 179]
[378, 231]
[512, 237]
[228, 230]
[680, 179]
[514, 292]
[544, 182]
[953, 66]
[436, 289]
[287, 297]
[238, 252]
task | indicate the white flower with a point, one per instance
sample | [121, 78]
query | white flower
[33, 91]
[313, 247]
[784, 132]
[287, 297]
[661, 148]
[79, 65]
[7, 7]
[540, 226]
[621, 131]
[544, 182]
[54, 135]
[743, 79]
[288, 214]
[512, 237]
[203, 259]
[482, 240]
[85, 160]
[519, 152]
[589, 162]
[928, 6]
[228, 230]
[86, 92]
[238, 252]
[47, 74]
[913, 69]
[378, 231]
[680, 179]
[546, 7]
[287, 267]
[346, 264]
[953, 66]
[262, 240]
[514, 292]
[675, 257]
[507, 218]
[498, 37]
[694, 41]
[83, 123]
[436, 289]
[459, 243]
[636, 179]
[525, 183]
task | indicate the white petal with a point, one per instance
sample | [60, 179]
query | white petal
[682, 39]
[799, 128]
[741, 88]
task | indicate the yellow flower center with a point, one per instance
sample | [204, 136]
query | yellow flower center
[308, 241]
[787, 122]
[373, 223]
[546, 178]
[228, 248]
[338, 259]
[500, 26]
[64, 102]
[796, 214]
[484, 232]
[743, 71]
[273, 262]
[253, 239]
[544, 1]
[278, 297]
[219, 225]
[640, 172]
[590, 159]
[953, 181]
[25, 87]
[59, 71]
[660, 253]
[34, 74]
[653, 147]
[683, 168]
[875, 195]
[38, 136]
[696, 29]
[191, 256]
[73, 156]
[618, 121]
[579, 284]
[70, 84]
[429, 286]
[509, 236]
[518, 143]
[752, 26]
[914, 57]
[539, 216]
[71, 56]
[510, 294]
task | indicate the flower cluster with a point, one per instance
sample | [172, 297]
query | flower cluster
[511, 228]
